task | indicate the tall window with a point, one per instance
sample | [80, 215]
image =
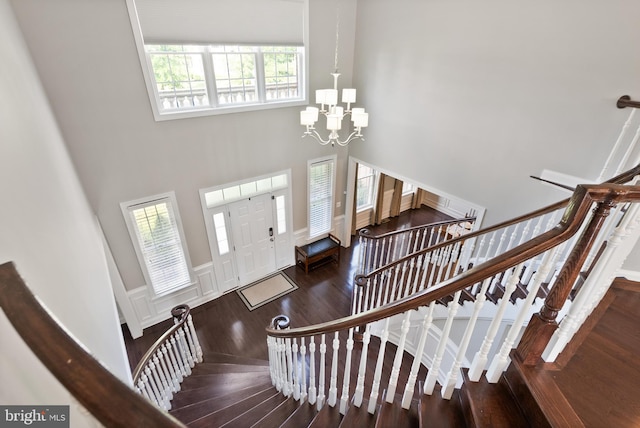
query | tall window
[157, 236]
[365, 186]
[321, 178]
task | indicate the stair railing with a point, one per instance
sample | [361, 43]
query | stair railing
[376, 251]
[106, 397]
[432, 345]
[164, 366]
[434, 263]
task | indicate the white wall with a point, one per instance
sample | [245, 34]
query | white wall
[86, 57]
[48, 230]
[473, 97]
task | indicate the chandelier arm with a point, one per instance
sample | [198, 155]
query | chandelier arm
[350, 138]
[313, 133]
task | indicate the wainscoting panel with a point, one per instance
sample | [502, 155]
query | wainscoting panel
[151, 311]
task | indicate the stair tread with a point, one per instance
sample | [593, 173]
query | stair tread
[193, 411]
[217, 357]
[214, 368]
[392, 414]
[301, 417]
[358, 416]
[196, 395]
[206, 380]
[328, 416]
[489, 404]
[229, 413]
[433, 410]
[257, 412]
[277, 416]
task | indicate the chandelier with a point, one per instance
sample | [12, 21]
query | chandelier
[334, 113]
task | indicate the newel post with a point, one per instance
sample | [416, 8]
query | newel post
[543, 324]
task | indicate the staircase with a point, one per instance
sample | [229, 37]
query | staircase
[364, 364]
[359, 371]
[233, 391]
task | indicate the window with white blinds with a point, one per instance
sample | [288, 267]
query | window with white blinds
[321, 183]
[157, 235]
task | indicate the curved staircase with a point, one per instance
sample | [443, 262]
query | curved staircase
[234, 391]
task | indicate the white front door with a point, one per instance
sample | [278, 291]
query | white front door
[253, 237]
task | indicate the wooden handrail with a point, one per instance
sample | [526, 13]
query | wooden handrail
[367, 232]
[578, 207]
[107, 398]
[624, 177]
[625, 101]
[179, 313]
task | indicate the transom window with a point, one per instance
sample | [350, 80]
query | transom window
[206, 57]
[200, 77]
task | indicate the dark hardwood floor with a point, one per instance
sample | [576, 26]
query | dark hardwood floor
[224, 325]
[601, 378]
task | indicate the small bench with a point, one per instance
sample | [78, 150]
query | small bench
[318, 253]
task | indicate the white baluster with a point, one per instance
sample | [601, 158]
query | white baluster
[344, 399]
[375, 254]
[359, 392]
[435, 257]
[303, 365]
[194, 338]
[619, 246]
[191, 348]
[312, 371]
[432, 376]
[452, 377]
[288, 389]
[417, 359]
[185, 355]
[162, 377]
[397, 361]
[480, 360]
[172, 351]
[271, 360]
[418, 272]
[295, 370]
[501, 360]
[616, 146]
[162, 384]
[168, 366]
[152, 382]
[377, 376]
[627, 153]
[333, 382]
[282, 384]
[321, 376]
[170, 377]
[147, 390]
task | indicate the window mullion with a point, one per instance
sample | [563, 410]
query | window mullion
[260, 76]
[210, 77]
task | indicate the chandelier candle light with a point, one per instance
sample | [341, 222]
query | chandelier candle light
[328, 101]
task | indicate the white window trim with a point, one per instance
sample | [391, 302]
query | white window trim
[333, 159]
[374, 190]
[155, 100]
[126, 212]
